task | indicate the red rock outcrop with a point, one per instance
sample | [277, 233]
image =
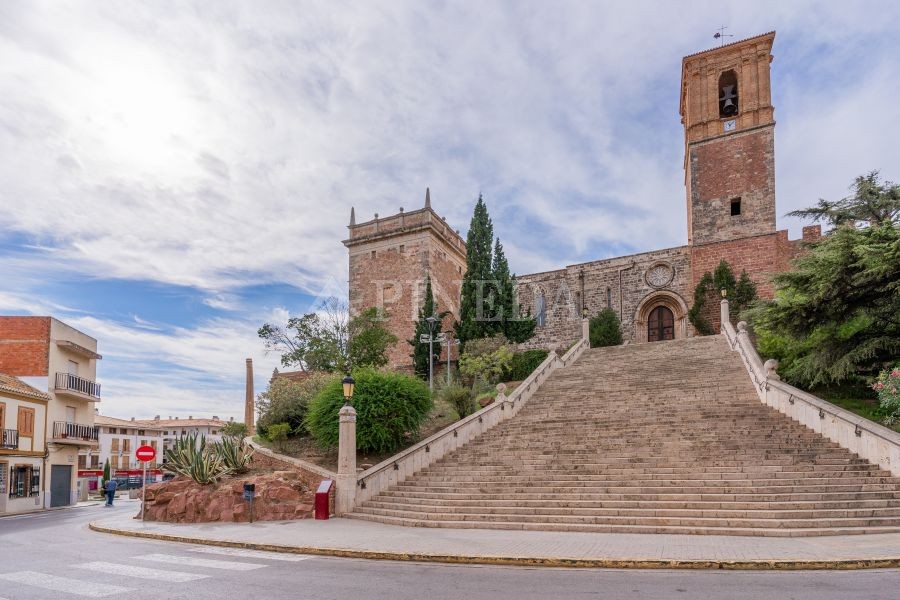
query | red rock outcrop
[280, 495]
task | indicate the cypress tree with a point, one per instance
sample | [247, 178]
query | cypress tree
[420, 350]
[478, 295]
[514, 325]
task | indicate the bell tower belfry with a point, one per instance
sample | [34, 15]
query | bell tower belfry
[729, 136]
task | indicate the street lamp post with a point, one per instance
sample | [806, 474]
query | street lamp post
[430, 339]
[349, 384]
[449, 342]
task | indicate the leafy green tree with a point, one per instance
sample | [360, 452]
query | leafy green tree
[478, 295]
[486, 359]
[369, 340]
[234, 429]
[604, 329]
[287, 401]
[329, 340]
[836, 315]
[278, 434]
[741, 294]
[420, 350]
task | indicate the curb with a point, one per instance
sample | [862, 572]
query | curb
[590, 563]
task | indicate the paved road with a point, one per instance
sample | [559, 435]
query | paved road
[53, 555]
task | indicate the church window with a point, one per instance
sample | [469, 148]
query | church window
[541, 310]
[402, 247]
[608, 297]
[373, 253]
[728, 94]
[736, 207]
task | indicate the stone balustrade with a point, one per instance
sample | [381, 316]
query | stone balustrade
[868, 439]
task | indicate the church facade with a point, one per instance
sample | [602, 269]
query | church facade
[729, 164]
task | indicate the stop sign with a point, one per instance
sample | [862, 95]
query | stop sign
[145, 453]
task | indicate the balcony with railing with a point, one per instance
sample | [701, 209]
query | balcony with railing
[73, 386]
[75, 433]
[9, 439]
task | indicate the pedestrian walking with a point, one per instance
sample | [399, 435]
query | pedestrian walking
[111, 486]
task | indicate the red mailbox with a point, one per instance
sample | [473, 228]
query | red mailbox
[323, 499]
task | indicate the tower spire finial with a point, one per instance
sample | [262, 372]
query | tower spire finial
[427, 198]
[352, 216]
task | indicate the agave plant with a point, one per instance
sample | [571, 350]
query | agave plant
[235, 454]
[194, 459]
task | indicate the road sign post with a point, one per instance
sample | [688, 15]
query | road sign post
[144, 454]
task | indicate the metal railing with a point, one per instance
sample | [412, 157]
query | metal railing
[74, 383]
[9, 440]
[76, 431]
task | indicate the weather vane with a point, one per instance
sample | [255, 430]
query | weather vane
[721, 35]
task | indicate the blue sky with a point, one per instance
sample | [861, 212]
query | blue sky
[175, 174]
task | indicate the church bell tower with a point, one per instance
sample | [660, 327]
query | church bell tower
[729, 134]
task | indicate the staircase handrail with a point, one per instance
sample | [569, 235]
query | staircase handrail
[392, 470]
[872, 441]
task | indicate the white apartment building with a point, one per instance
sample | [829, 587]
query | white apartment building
[51, 356]
[119, 438]
[174, 428]
[23, 427]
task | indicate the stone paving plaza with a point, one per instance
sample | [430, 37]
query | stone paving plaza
[376, 540]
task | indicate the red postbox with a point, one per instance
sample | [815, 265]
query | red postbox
[323, 499]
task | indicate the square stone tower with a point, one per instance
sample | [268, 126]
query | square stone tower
[729, 134]
[390, 258]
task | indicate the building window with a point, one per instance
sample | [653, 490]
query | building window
[141, 432]
[402, 247]
[3, 472]
[541, 310]
[608, 297]
[736, 207]
[373, 253]
[26, 422]
[24, 481]
[728, 94]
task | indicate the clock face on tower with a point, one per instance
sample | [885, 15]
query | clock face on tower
[660, 275]
[730, 125]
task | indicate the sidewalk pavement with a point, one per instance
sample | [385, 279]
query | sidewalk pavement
[364, 539]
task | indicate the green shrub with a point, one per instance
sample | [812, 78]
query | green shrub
[485, 359]
[390, 409]
[524, 363]
[605, 330]
[888, 387]
[460, 398]
[278, 433]
[286, 401]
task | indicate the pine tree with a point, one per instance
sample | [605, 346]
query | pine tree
[420, 350]
[478, 296]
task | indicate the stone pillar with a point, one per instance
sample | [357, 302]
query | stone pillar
[346, 478]
[585, 330]
[249, 408]
[724, 314]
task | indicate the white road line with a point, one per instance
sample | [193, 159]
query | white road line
[190, 561]
[251, 554]
[63, 584]
[140, 572]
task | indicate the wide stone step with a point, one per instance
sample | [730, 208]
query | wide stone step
[702, 521]
[569, 495]
[709, 512]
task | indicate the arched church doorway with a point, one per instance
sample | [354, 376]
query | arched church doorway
[660, 324]
[661, 315]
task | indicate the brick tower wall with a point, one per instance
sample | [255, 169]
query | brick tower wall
[389, 260]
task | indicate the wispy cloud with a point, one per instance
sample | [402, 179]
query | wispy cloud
[219, 146]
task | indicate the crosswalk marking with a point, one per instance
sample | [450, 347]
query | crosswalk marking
[63, 584]
[250, 554]
[140, 572]
[189, 561]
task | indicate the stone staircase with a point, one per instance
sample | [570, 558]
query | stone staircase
[667, 437]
